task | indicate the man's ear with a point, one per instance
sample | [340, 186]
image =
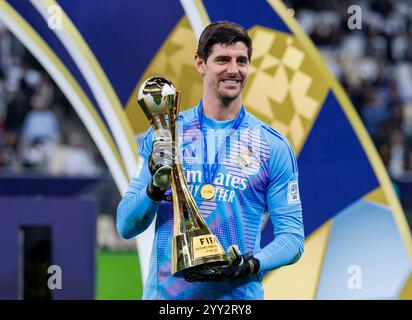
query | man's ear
[200, 64]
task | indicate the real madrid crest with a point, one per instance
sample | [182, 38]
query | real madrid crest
[245, 160]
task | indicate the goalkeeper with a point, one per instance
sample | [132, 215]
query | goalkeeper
[249, 168]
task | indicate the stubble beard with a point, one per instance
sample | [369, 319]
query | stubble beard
[228, 99]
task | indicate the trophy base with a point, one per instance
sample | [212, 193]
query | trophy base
[197, 253]
[206, 272]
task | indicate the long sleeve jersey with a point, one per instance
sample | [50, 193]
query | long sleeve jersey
[256, 179]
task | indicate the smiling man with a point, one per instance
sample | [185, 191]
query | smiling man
[241, 171]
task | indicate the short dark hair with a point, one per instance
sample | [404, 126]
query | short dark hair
[224, 32]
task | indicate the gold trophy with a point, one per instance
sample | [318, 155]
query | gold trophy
[195, 249]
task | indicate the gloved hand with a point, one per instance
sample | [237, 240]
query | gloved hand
[242, 265]
[202, 274]
[161, 161]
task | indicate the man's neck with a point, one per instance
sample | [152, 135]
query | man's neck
[215, 108]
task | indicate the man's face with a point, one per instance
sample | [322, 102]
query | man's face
[225, 71]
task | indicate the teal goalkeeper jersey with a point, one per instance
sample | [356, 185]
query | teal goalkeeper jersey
[255, 176]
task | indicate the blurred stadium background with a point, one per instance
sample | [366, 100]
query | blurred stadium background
[374, 65]
[45, 149]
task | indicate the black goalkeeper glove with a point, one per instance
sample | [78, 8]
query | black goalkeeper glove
[161, 161]
[242, 266]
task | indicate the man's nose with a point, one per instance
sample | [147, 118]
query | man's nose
[232, 67]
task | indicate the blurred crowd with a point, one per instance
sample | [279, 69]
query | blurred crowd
[39, 130]
[374, 64]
